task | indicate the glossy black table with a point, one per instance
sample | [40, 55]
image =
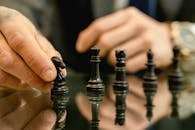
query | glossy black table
[78, 81]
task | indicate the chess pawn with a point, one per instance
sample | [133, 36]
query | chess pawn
[95, 87]
[175, 81]
[59, 94]
[120, 87]
[150, 85]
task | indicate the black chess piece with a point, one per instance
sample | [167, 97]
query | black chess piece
[59, 94]
[120, 87]
[175, 81]
[95, 87]
[150, 85]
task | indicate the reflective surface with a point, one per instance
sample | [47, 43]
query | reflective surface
[79, 113]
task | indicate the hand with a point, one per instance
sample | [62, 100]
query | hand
[135, 106]
[24, 53]
[25, 110]
[133, 31]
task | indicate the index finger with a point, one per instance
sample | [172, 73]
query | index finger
[88, 37]
[21, 39]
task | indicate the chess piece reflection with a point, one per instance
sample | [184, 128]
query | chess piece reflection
[95, 87]
[59, 94]
[120, 87]
[175, 81]
[150, 85]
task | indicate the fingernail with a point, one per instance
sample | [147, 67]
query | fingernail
[49, 75]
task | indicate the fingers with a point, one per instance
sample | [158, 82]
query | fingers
[21, 39]
[135, 107]
[89, 36]
[135, 118]
[135, 32]
[8, 104]
[131, 47]
[116, 37]
[48, 48]
[44, 121]
[22, 49]
[13, 100]
[136, 63]
[162, 100]
[24, 44]
[135, 99]
[111, 30]
[107, 117]
[84, 105]
[11, 63]
[24, 113]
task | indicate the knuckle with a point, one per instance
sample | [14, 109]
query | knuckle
[132, 9]
[6, 61]
[7, 13]
[104, 42]
[31, 60]
[134, 13]
[16, 41]
[2, 8]
[147, 40]
[97, 26]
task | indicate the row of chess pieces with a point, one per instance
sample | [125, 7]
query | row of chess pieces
[95, 88]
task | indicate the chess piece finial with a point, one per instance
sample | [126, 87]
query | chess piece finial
[120, 87]
[150, 85]
[175, 81]
[95, 87]
[59, 94]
